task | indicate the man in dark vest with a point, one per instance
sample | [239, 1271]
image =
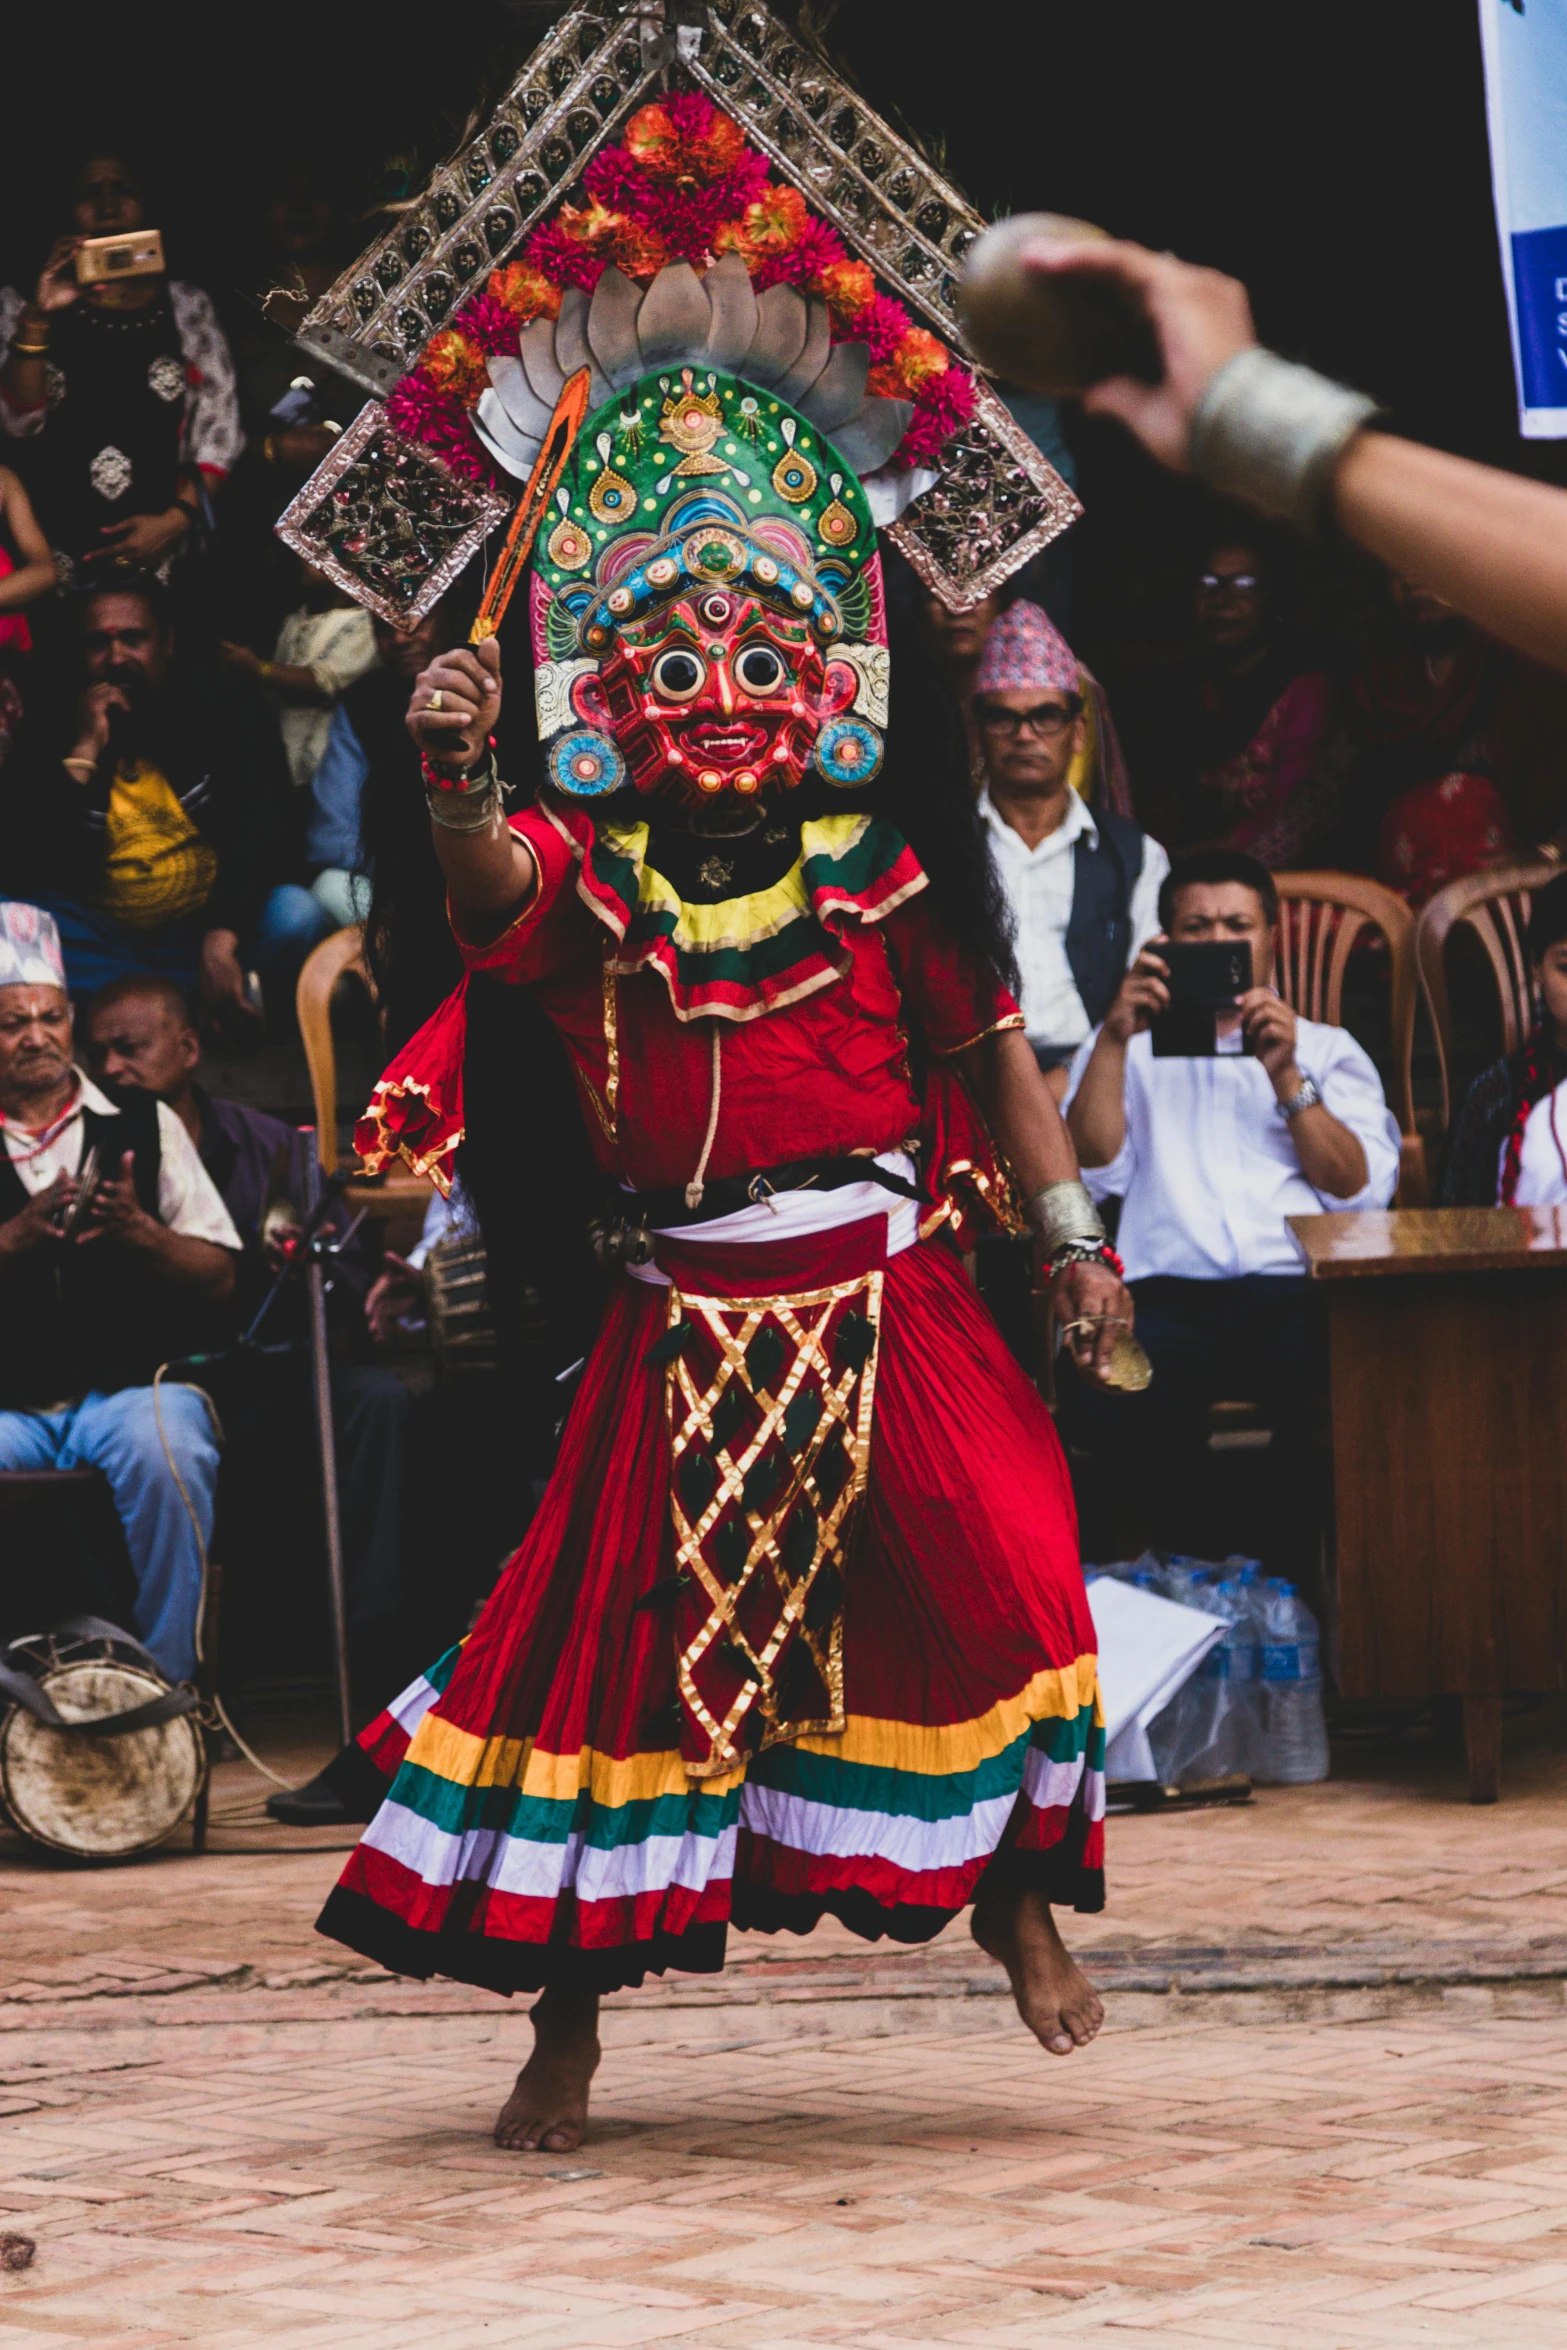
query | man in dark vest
[1083, 883]
[116, 1253]
[140, 1040]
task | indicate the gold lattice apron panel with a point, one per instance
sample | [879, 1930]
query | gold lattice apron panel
[770, 1403]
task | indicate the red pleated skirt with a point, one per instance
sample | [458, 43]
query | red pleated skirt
[540, 1826]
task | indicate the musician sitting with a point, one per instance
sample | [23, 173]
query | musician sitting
[140, 1039]
[115, 1252]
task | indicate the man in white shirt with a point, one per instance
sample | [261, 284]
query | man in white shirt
[1083, 884]
[1209, 1156]
[100, 1282]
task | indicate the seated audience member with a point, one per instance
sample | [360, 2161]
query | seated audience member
[126, 386]
[26, 573]
[91, 1312]
[1510, 1139]
[1083, 886]
[1208, 1157]
[26, 565]
[1429, 734]
[324, 646]
[1247, 752]
[140, 1040]
[154, 810]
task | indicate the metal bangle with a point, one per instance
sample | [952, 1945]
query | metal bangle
[1271, 432]
[1062, 1213]
[465, 811]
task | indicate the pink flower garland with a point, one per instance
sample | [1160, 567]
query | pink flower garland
[684, 186]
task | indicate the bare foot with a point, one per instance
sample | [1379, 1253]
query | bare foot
[1054, 1997]
[547, 2112]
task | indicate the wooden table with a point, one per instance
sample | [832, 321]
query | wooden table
[1448, 1337]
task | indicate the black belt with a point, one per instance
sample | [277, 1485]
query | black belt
[723, 1195]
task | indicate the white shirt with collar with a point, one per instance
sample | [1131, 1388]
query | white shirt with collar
[1542, 1161]
[1208, 1170]
[189, 1202]
[1039, 883]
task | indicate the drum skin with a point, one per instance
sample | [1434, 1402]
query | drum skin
[98, 1798]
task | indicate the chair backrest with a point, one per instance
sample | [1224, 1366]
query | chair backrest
[1322, 918]
[323, 967]
[1494, 907]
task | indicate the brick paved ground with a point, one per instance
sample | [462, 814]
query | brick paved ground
[218, 2130]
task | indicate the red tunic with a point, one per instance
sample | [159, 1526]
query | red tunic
[822, 1076]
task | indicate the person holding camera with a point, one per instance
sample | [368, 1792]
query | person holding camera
[1213, 1112]
[124, 379]
[116, 1254]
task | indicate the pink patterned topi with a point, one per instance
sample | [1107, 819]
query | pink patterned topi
[29, 946]
[1025, 648]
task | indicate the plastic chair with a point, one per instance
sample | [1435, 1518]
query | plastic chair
[398, 1192]
[1494, 907]
[1322, 918]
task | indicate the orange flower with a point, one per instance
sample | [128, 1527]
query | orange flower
[921, 356]
[665, 152]
[526, 293]
[774, 224]
[917, 358]
[846, 287]
[615, 235]
[652, 140]
[453, 364]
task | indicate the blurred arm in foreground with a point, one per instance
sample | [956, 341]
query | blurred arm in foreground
[1292, 443]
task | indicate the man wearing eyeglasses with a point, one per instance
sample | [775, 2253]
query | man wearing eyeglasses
[1083, 883]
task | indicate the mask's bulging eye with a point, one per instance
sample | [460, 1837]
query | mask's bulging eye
[678, 677]
[759, 670]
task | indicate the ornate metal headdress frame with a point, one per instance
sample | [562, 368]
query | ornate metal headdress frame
[998, 500]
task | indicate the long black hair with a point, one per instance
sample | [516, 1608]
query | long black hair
[924, 789]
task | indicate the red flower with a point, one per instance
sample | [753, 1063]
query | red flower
[490, 324]
[562, 260]
[883, 324]
[614, 180]
[817, 250]
[942, 403]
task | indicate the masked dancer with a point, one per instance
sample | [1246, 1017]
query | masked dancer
[799, 1629]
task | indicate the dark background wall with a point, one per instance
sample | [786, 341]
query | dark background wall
[1330, 152]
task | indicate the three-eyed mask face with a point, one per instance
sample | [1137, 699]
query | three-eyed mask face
[717, 692]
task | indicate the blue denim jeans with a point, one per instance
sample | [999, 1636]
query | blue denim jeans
[119, 1435]
[98, 949]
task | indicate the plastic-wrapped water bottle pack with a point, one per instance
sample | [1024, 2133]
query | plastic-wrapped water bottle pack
[1254, 1704]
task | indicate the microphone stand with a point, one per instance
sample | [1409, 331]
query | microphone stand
[318, 1201]
[311, 1248]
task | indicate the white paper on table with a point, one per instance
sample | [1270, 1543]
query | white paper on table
[1148, 1649]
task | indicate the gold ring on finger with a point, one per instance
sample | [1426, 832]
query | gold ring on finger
[434, 702]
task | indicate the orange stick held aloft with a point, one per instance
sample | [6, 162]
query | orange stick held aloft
[565, 424]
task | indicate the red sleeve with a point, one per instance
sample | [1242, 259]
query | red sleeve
[548, 931]
[955, 996]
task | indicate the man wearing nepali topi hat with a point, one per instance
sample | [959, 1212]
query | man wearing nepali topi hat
[1083, 883]
[93, 1301]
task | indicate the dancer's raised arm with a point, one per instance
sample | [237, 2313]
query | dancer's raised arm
[490, 873]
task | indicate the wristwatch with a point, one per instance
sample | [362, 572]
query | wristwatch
[1308, 1098]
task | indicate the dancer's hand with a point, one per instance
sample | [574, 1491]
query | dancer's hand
[456, 702]
[1096, 1295]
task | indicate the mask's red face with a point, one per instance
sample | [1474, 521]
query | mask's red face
[719, 692]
